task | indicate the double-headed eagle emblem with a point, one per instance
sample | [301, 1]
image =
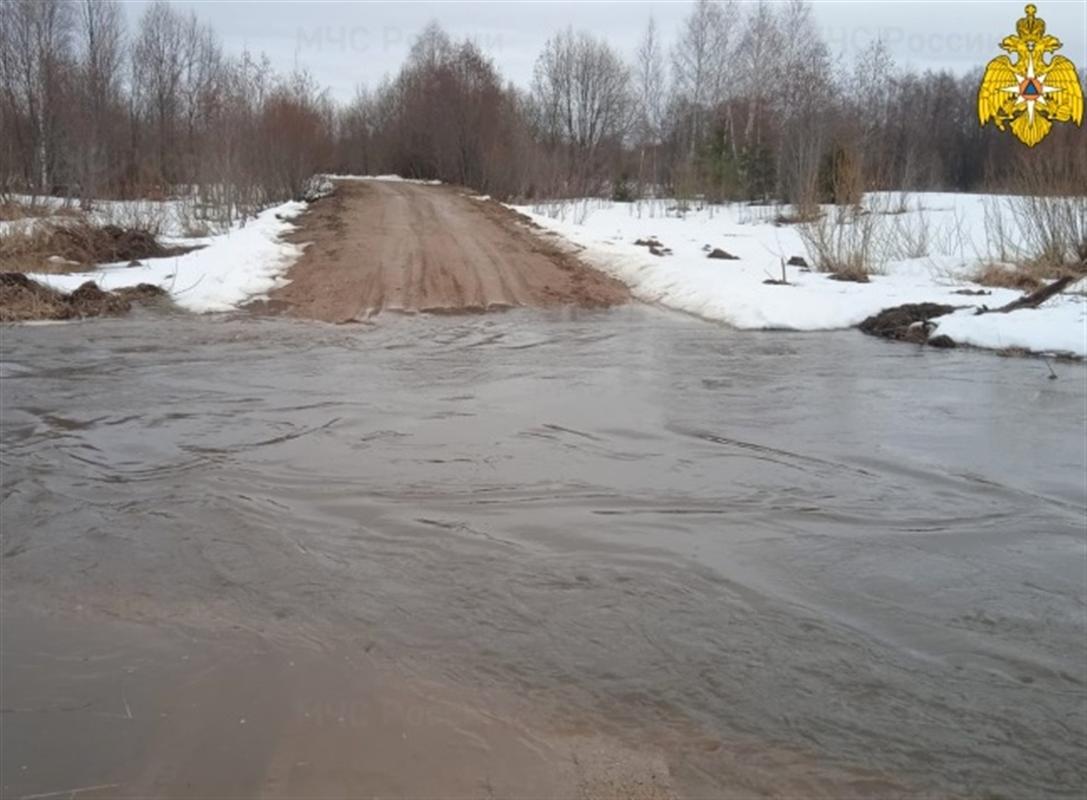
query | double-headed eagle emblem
[1029, 94]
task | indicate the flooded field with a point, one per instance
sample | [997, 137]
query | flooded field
[536, 554]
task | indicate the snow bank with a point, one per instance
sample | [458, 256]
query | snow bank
[950, 228]
[1060, 326]
[390, 178]
[240, 265]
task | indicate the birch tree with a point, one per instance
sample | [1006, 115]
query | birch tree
[803, 105]
[35, 40]
[101, 52]
[649, 78]
[699, 62]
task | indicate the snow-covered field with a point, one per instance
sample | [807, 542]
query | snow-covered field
[944, 234]
[244, 263]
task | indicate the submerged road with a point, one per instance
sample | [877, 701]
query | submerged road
[546, 553]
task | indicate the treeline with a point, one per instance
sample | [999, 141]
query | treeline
[746, 102]
[89, 109]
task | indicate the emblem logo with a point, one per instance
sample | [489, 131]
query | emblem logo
[1031, 93]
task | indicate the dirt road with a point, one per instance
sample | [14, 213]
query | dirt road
[391, 246]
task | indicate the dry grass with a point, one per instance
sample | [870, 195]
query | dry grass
[1028, 276]
[851, 274]
[1038, 233]
[847, 241]
[23, 299]
[13, 210]
[1042, 228]
[799, 215]
[1000, 276]
[856, 242]
[910, 237]
[28, 249]
[75, 246]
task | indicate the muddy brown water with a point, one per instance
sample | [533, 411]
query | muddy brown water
[536, 554]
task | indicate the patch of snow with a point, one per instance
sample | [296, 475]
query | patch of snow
[949, 227]
[10, 226]
[240, 265]
[389, 178]
[173, 218]
[1059, 326]
[317, 187]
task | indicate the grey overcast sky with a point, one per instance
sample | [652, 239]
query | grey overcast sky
[344, 44]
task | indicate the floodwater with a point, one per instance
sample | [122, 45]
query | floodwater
[571, 554]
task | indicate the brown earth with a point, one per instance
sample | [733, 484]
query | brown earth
[389, 246]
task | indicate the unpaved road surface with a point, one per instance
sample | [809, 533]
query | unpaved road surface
[390, 246]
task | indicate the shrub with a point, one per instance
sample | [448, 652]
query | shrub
[843, 241]
[1041, 229]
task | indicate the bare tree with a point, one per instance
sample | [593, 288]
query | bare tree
[582, 91]
[756, 108]
[355, 128]
[198, 90]
[758, 66]
[649, 78]
[870, 103]
[802, 102]
[699, 61]
[34, 51]
[100, 36]
[293, 138]
[650, 84]
[157, 69]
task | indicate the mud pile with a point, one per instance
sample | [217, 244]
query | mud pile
[908, 323]
[23, 299]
